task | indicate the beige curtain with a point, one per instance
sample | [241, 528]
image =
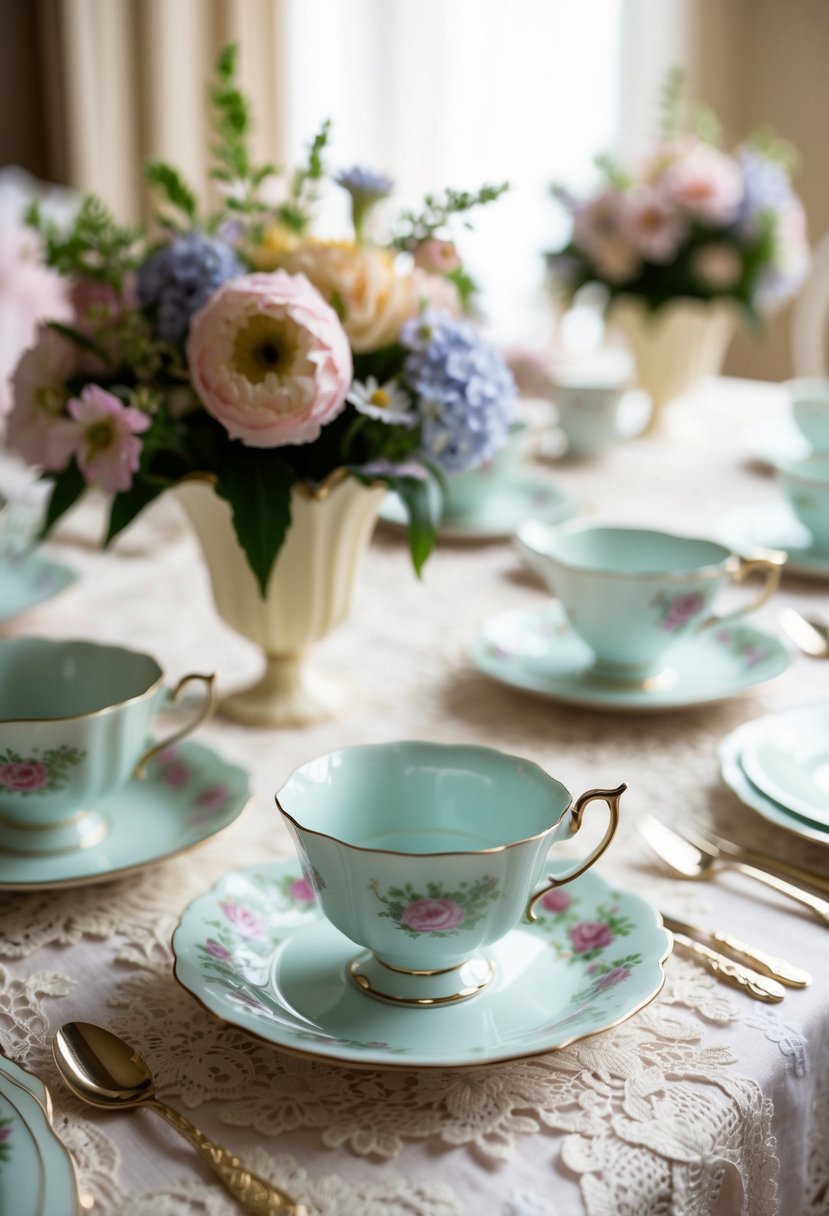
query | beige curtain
[127, 79]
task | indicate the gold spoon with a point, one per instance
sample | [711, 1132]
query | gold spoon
[810, 636]
[103, 1070]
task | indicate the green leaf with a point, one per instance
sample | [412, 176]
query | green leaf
[130, 503]
[173, 187]
[423, 505]
[257, 484]
[67, 489]
[77, 337]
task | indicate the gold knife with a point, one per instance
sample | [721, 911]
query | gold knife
[767, 964]
[760, 987]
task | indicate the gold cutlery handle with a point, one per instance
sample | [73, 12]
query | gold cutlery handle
[785, 869]
[767, 964]
[254, 1193]
[760, 987]
[819, 906]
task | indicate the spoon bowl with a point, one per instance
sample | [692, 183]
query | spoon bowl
[100, 1068]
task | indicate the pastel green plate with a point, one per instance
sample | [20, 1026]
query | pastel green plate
[772, 525]
[189, 794]
[37, 1176]
[498, 514]
[27, 579]
[787, 757]
[536, 649]
[257, 952]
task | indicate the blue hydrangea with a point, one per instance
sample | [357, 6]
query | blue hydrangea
[466, 391]
[178, 279]
[364, 183]
[767, 190]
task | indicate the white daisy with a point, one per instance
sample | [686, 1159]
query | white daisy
[388, 401]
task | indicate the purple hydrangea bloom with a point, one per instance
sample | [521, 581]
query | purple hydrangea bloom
[178, 279]
[364, 183]
[466, 391]
[766, 189]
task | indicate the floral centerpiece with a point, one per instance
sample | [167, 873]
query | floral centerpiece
[691, 237]
[241, 350]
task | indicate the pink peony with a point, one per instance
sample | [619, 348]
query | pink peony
[436, 257]
[270, 359]
[556, 900]
[706, 183]
[24, 775]
[102, 436]
[432, 915]
[246, 921]
[718, 266]
[590, 935]
[616, 976]
[36, 426]
[653, 225]
[301, 890]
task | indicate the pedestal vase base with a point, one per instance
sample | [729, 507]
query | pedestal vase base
[288, 694]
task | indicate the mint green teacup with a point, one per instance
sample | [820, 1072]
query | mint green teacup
[806, 486]
[74, 725]
[633, 593]
[424, 854]
[809, 398]
[464, 493]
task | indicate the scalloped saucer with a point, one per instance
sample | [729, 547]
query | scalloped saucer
[498, 514]
[27, 579]
[37, 1175]
[189, 795]
[772, 525]
[257, 952]
[537, 650]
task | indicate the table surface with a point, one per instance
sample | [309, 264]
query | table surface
[703, 1103]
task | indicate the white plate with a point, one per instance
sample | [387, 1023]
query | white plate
[735, 776]
[787, 757]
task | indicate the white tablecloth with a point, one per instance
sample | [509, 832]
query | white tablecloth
[703, 1103]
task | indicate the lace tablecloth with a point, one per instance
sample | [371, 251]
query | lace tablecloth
[702, 1103]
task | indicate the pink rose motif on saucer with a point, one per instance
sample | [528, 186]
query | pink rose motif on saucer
[556, 901]
[244, 919]
[679, 610]
[434, 911]
[616, 975]
[590, 935]
[41, 773]
[217, 950]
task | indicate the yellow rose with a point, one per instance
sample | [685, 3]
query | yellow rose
[276, 243]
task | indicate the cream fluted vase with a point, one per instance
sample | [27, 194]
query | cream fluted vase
[309, 592]
[676, 346]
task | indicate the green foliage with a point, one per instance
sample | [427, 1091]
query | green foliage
[439, 209]
[67, 488]
[671, 105]
[175, 192]
[769, 144]
[296, 213]
[94, 246]
[613, 173]
[423, 507]
[257, 484]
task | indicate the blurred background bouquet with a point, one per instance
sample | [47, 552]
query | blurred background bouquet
[237, 347]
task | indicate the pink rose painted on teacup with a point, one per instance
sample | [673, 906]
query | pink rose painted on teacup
[590, 935]
[617, 976]
[556, 901]
[432, 915]
[23, 775]
[678, 610]
[245, 920]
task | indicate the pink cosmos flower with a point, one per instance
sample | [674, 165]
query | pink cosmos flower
[437, 257]
[246, 921]
[269, 359]
[590, 935]
[706, 183]
[302, 891]
[217, 950]
[717, 266]
[616, 976]
[432, 915]
[24, 775]
[102, 436]
[556, 900]
[36, 424]
[653, 225]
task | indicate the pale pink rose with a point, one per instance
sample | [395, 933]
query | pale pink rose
[556, 900]
[652, 224]
[706, 183]
[301, 890]
[217, 950]
[436, 257]
[102, 437]
[177, 774]
[36, 425]
[718, 266]
[590, 935]
[432, 915]
[246, 921]
[269, 359]
[616, 976]
[24, 775]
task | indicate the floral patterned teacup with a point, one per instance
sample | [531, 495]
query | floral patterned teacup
[633, 593]
[464, 493]
[806, 486]
[424, 854]
[74, 721]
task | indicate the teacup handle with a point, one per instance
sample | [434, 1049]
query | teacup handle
[746, 567]
[205, 711]
[611, 798]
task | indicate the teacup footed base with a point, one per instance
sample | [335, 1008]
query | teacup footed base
[658, 681]
[420, 989]
[83, 830]
[289, 693]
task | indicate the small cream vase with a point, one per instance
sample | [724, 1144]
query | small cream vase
[309, 592]
[675, 347]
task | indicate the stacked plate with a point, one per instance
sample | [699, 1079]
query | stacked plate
[37, 1176]
[779, 766]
